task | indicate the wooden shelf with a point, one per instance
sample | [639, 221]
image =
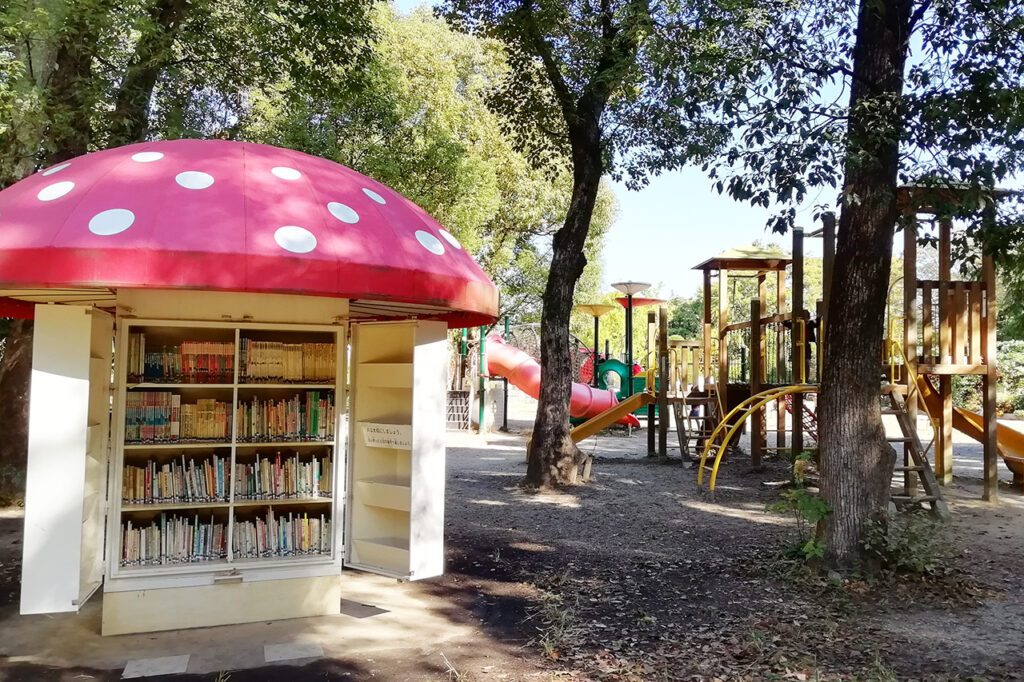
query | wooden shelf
[176, 446]
[164, 506]
[390, 492]
[388, 553]
[154, 385]
[283, 502]
[284, 443]
[301, 387]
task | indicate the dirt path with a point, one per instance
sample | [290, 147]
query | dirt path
[638, 576]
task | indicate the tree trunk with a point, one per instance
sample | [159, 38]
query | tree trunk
[130, 120]
[857, 462]
[15, 372]
[553, 456]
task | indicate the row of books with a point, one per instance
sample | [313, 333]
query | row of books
[304, 417]
[283, 478]
[183, 540]
[174, 481]
[191, 362]
[173, 540]
[159, 417]
[274, 536]
[273, 361]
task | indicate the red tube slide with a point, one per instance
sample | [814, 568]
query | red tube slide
[523, 372]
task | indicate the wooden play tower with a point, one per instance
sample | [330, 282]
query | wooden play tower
[949, 329]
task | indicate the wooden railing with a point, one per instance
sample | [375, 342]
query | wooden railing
[953, 325]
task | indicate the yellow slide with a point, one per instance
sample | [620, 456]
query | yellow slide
[1010, 442]
[611, 415]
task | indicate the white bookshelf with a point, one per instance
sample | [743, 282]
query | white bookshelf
[396, 467]
[65, 490]
[166, 587]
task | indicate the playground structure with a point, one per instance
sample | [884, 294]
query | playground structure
[947, 324]
[738, 369]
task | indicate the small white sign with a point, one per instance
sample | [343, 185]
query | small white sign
[397, 436]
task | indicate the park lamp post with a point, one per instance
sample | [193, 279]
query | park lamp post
[629, 289]
[596, 310]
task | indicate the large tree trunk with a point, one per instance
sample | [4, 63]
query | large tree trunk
[553, 455]
[130, 120]
[15, 371]
[857, 462]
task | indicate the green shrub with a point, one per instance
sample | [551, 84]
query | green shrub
[911, 542]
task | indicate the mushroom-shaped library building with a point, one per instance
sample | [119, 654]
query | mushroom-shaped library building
[238, 380]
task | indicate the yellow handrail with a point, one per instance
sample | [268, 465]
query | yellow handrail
[762, 398]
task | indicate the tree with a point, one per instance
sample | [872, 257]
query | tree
[615, 86]
[419, 122]
[949, 117]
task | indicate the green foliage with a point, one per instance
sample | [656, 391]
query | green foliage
[960, 109]
[418, 120]
[911, 542]
[686, 317]
[807, 510]
[85, 74]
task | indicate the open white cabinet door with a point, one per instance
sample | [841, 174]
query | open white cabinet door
[65, 487]
[396, 454]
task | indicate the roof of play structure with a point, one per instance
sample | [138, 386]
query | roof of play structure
[232, 216]
[747, 258]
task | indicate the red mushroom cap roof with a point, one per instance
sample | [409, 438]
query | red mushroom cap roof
[233, 216]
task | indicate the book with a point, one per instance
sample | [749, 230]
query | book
[277, 362]
[277, 477]
[308, 416]
[173, 539]
[160, 417]
[190, 362]
[176, 481]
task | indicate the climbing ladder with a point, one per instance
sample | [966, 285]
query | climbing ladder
[705, 423]
[918, 461]
[810, 419]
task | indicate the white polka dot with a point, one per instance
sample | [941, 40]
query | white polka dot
[343, 213]
[147, 157]
[450, 238]
[373, 195]
[295, 239]
[194, 179]
[430, 242]
[56, 169]
[286, 173]
[111, 221]
[55, 191]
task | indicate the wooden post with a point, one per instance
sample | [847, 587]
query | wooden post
[723, 342]
[652, 448]
[706, 360]
[663, 388]
[991, 453]
[828, 237]
[944, 444]
[910, 342]
[757, 435]
[798, 311]
[780, 358]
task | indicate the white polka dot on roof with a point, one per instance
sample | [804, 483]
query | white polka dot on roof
[56, 169]
[194, 179]
[430, 242]
[450, 238]
[55, 191]
[147, 157]
[373, 195]
[111, 221]
[343, 213]
[295, 239]
[286, 173]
